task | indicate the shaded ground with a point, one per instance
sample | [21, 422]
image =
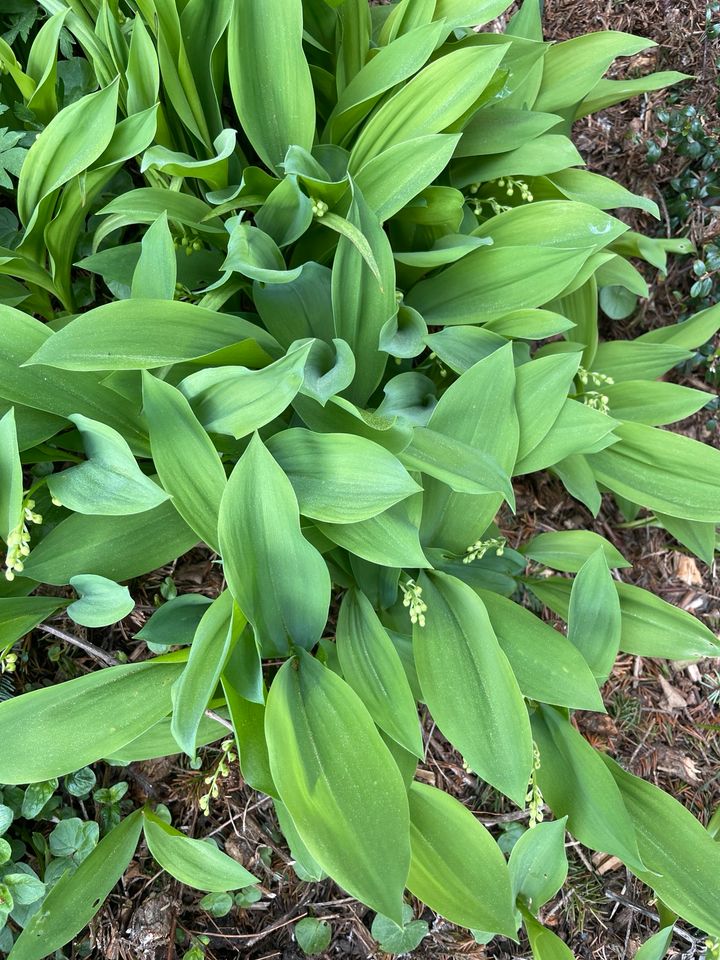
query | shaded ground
[663, 721]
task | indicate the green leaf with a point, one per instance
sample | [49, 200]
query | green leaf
[391, 539]
[11, 478]
[547, 667]
[254, 254]
[213, 172]
[606, 93]
[491, 281]
[466, 413]
[279, 580]
[568, 550]
[158, 741]
[360, 317]
[339, 478]
[141, 335]
[498, 130]
[269, 77]
[156, 271]
[636, 360]
[18, 616]
[76, 897]
[197, 683]
[197, 863]
[372, 667]
[61, 728]
[118, 548]
[469, 685]
[653, 403]
[110, 482]
[594, 619]
[545, 944]
[649, 466]
[538, 864]
[187, 463]
[69, 144]
[349, 806]
[312, 935]
[430, 103]
[681, 858]
[698, 537]
[541, 389]
[456, 868]
[176, 621]
[578, 429]
[102, 602]
[656, 946]
[236, 401]
[576, 785]
[392, 938]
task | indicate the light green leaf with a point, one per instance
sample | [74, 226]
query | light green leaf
[279, 580]
[577, 429]
[197, 863]
[269, 77]
[213, 172]
[19, 615]
[649, 466]
[77, 896]
[187, 463]
[254, 254]
[61, 728]
[568, 550]
[655, 403]
[499, 130]
[110, 482]
[372, 667]
[102, 602]
[606, 93]
[469, 685]
[594, 616]
[349, 807]
[391, 539]
[541, 389]
[457, 869]
[340, 478]
[197, 683]
[11, 478]
[538, 864]
[545, 944]
[235, 401]
[155, 275]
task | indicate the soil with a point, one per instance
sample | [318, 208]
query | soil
[662, 723]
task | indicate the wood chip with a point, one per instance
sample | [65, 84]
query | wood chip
[672, 698]
[687, 570]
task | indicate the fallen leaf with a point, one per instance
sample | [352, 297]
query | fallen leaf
[672, 698]
[687, 570]
[676, 763]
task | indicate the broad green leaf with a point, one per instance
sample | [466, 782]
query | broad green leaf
[197, 683]
[491, 281]
[299, 309]
[553, 223]
[109, 482]
[469, 685]
[461, 347]
[681, 858]
[651, 627]
[579, 481]
[197, 863]
[466, 413]
[456, 867]
[529, 324]
[360, 317]
[158, 741]
[462, 467]
[391, 539]
[498, 130]
[339, 478]
[286, 214]
[155, 275]
[143, 72]
[545, 944]
[541, 389]
[19, 615]
[119, 548]
[78, 895]
[568, 550]
[637, 360]
[699, 537]
[61, 728]
[649, 466]
[538, 864]
[577, 429]
[545, 155]
[349, 807]
[653, 403]
[213, 172]
[372, 667]
[601, 192]
[279, 580]
[657, 946]
[101, 602]
[392, 178]
[572, 68]
[236, 401]
[468, 13]
[606, 93]
[69, 144]
[254, 254]
[429, 103]
[298, 851]
[11, 478]
[140, 335]
[690, 333]
[594, 620]
[547, 667]
[576, 785]
[248, 720]
[187, 463]
[269, 77]
[176, 621]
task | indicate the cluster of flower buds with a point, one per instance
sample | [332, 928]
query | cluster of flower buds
[534, 798]
[412, 599]
[227, 757]
[594, 398]
[190, 244]
[510, 185]
[8, 662]
[18, 544]
[477, 550]
[319, 208]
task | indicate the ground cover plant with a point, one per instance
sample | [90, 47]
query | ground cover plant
[310, 284]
